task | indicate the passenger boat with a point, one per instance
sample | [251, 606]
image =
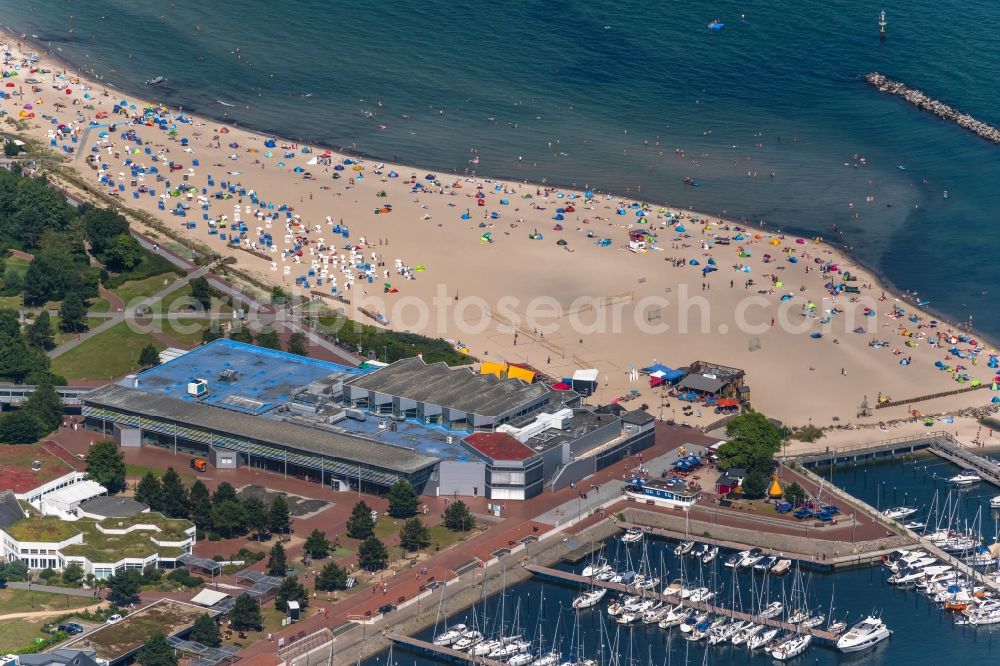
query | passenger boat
[965, 478]
[154, 81]
[864, 635]
[664, 492]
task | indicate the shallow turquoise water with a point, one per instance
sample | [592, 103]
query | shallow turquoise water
[601, 94]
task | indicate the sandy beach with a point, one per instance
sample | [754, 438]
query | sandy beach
[517, 272]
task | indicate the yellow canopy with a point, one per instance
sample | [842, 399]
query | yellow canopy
[775, 489]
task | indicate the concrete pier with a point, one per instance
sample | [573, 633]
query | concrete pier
[939, 109]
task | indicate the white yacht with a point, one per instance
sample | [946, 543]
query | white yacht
[469, 639]
[448, 637]
[899, 512]
[965, 478]
[772, 610]
[760, 640]
[863, 635]
[632, 535]
[684, 547]
[710, 554]
[791, 648]
[590, 599]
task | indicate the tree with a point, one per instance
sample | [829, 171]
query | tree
[755, 484]
[101, 226]
[245, 614]
[279, 519]
[72, 312]
[13, 281]
[10, 322]
[211, 334]
[414, 535]
[40, 334]
[17, 360]
[269, 338]
[152, 574]
[372, 554]
[72, 574]
[206, 631]
[241, 334]
[149, 491]
[257, 517]
[331, 577]
[175, 496]
[20, 427]
[46, 405]
[123, 254]
[157, 652]
[201, 291]
[458, 518]
[223, 492]
[123, 588]
[149, 357]
[403, 500]
[290, 590]
[297, 344]
[752, 443]
[277, 561]
[201, 505]
[360, 525]
[228, 517]
[106, 465]
[317, 545]
[795, 493]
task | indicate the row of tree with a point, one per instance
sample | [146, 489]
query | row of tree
[267, 338]
[40, 414]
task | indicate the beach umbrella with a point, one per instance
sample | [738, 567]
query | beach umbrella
[430, 176]
[281, 164]
[680, 229]
[268, 153]
[28, 106]
[10, 84]
[338, 168]
[800, 241]
[561, 241]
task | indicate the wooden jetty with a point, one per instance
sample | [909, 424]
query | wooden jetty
[441, 651]
[881, 450]
[687, 603]
[952, 451]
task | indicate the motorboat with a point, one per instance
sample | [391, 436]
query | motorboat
[983, 616]
[684, 547]
[468, 640]
[791, 648]
[674, 588]
[590, 599]
[766, 564]
[914, 525]
[899, 512]
[734, 560]
[864, 635]
[837, 628]
[699, 550]
[965, 478]
[781, 567]
[155, 80]
[449, 636]
[710, 555]
[751, 558]
[905, 576]
[594, 569]
[632, 535]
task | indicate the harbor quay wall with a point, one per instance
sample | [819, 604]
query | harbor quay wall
[362, 641]
[805, 547]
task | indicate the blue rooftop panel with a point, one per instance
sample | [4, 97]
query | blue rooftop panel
[265, 377]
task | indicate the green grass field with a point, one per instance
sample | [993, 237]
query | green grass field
[60, 337]
[179, 331]
[17, 634]
[137, 289]
[107, 355]
[136, 472]
[23, 601]
[387, 526]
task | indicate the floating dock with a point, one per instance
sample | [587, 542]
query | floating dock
[441, 651]
[939, 109]
[567, 577]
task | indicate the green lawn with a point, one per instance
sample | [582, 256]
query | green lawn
[135, 289]
[23, 601]
[60, 337]
[100, 305]
[17, 634]
[107, 355]
[186, 338]
[442, 537]
[387, 526]
[11, 302]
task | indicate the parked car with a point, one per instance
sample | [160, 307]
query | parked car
[71, 628]
[114, 619]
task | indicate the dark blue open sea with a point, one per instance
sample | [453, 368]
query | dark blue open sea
[602, 94]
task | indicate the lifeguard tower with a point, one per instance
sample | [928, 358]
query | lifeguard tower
[638, 240]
